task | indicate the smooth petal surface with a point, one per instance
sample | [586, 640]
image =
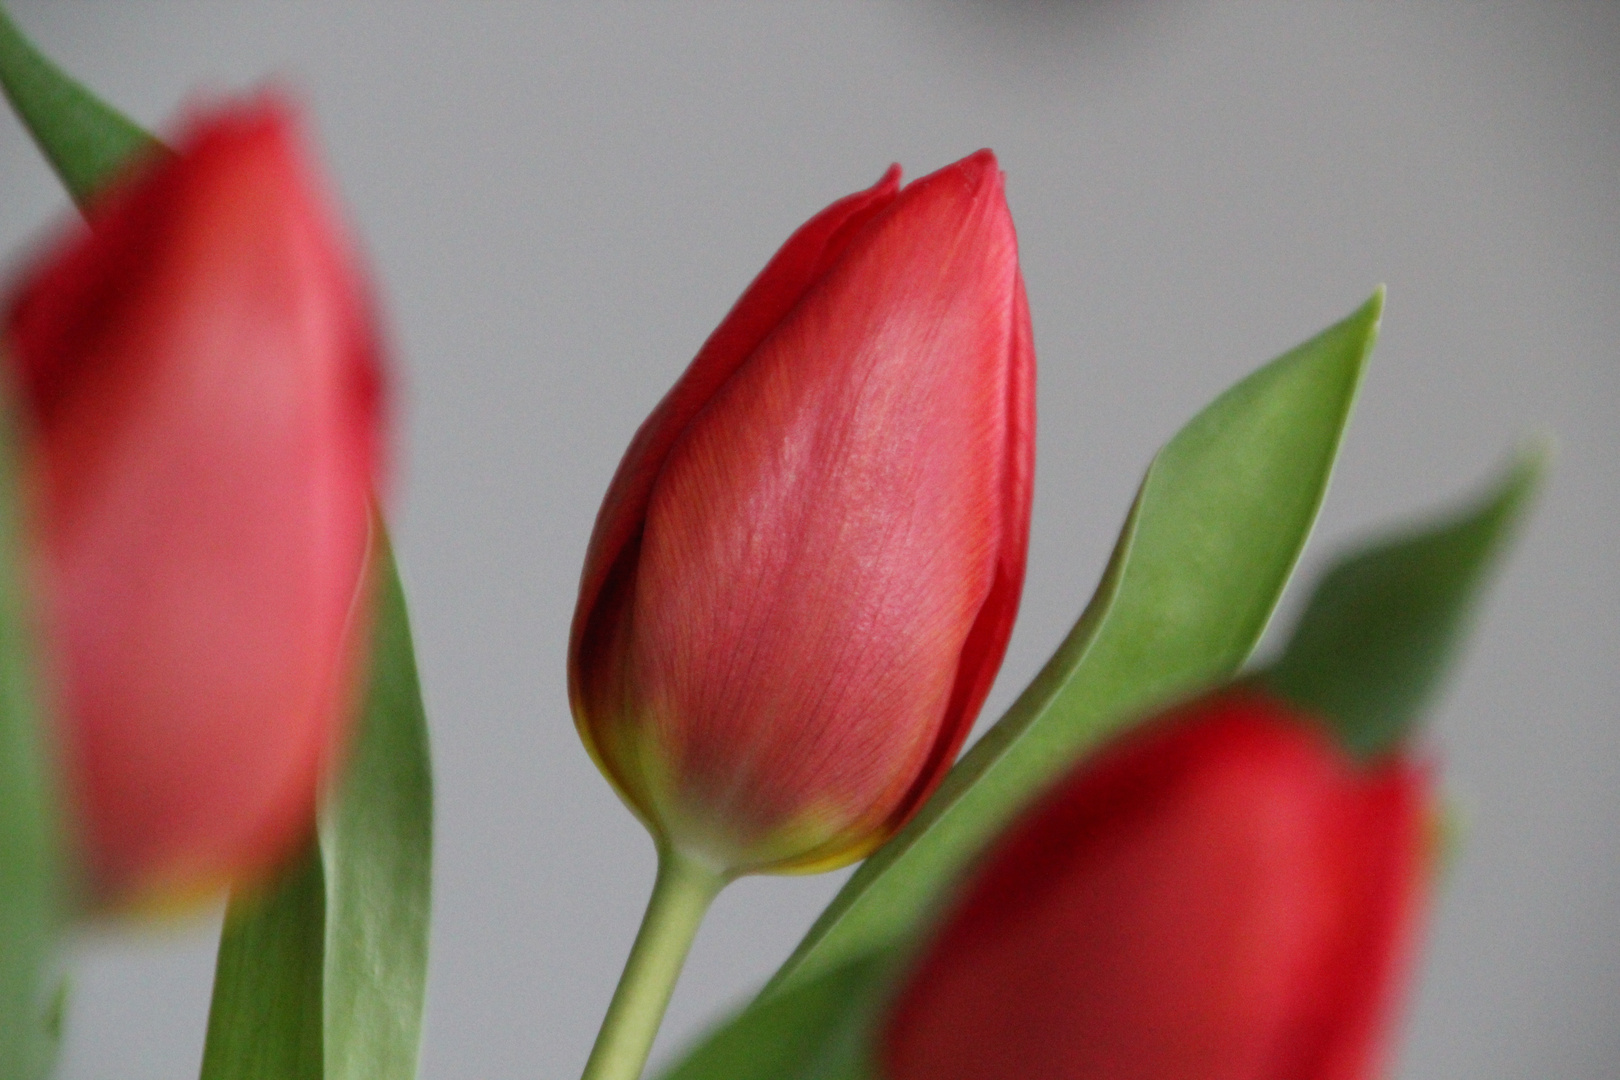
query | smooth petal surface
[1224, 895]
[203, 381]
[808, 611]
[807, 255]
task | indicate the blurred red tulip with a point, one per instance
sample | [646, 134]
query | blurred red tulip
[199, 385]
[804, 573]
[1222, 895]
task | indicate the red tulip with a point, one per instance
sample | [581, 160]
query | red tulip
[804, 573]
[1223, 895]
[199, 384]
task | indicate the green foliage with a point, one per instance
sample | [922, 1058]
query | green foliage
[1214, 533]
[340, 942]
[1386, 621]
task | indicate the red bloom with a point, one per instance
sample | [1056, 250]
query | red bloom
[200, 388]
[1224, 895]
[804, 573]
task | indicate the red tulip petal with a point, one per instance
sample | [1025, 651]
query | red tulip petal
[824, 534]
[204, 382]
[1185, 905]
[1389, 870]
[986, 643]
[801, 261]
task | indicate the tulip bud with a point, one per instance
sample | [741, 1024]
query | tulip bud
[1224, 894]
[199, 392]
[804, 573]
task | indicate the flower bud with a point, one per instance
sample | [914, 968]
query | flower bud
[1224, 894]
[804, 573]
[199, 390]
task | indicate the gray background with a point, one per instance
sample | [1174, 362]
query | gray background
[560, 202]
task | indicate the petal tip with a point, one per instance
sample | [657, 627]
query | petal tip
[979, 169]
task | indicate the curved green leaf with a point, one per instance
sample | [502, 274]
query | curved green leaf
[1216, 529]
[1385, 622]
[355, 908]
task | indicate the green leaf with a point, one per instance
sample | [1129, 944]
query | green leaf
[815, 1030]
[377, 844]
[87, 141]
[265, 1021]
[1385, 622]
[355, 911]
[1216, 529]
[31, 895]
[325, 976]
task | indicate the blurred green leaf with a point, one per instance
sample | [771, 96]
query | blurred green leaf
[355, 910]
[1214, 533]
[31, 894]
[87, 141]
[1385, 622]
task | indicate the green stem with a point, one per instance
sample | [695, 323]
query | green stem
[680, 897]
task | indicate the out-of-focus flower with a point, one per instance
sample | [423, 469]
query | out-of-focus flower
[804, 574]
[1224, 894]
[199, 390]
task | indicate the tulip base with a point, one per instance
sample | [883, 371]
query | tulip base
[680, 898]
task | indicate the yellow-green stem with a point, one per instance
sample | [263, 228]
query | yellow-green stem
[680, 897]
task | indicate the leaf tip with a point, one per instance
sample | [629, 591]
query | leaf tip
[1375, 302]
[1384, 623]
[1369, 320]
[1531, 462]
[1504, 502]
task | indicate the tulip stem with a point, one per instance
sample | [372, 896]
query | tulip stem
[680, 897]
